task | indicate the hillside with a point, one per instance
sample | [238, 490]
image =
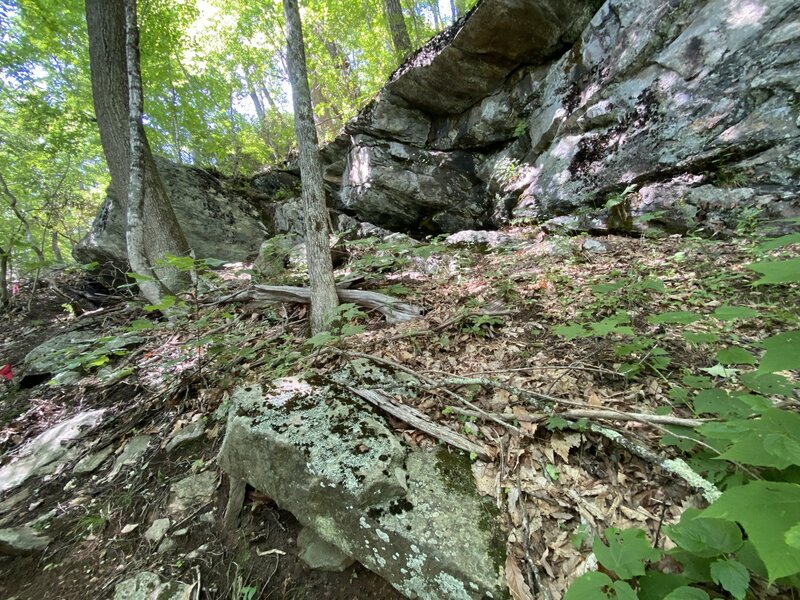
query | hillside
[520, 350]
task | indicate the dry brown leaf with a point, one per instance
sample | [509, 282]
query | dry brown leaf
[562, 444]
[516, 581]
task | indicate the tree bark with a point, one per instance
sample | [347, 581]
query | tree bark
[4, 297]
[397, 28]
[107, 61]
[320, 270]
[134, 234]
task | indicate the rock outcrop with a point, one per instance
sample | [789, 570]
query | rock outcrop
[629, 115]
[218, 222]
[623, 116]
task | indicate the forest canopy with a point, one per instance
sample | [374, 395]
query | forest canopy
[216, 94]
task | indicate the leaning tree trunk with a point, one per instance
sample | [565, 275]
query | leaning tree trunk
[107, 61]
[149, 284]
[397, 27]
[320, 270]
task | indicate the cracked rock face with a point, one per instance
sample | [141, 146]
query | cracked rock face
[414, 518]
[684, 113]
[217, 222]
[691, 97]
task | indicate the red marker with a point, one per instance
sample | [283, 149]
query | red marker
[5, 372]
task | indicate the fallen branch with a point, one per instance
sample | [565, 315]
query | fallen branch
[420, 421]
[676, 466]
[391, 308]
[608, 415]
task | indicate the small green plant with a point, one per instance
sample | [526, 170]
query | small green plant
[507, 170]
[481, 325]
[750, 449]
[340, 326]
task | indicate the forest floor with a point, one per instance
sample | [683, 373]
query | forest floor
[561, 339]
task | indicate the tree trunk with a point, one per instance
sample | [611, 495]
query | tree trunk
[453, 11]
[397, 28]
[107, 61]
[134, 235]
[437, 20]
[320, 270]
[4, 298]
[55, 247]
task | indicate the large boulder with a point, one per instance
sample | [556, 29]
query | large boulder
[218, 222]
[406, 188]
[404, 167]
[413, 517]
[641, 115]
[692, 104]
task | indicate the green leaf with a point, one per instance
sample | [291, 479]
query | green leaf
[732, 576]
[705, 538]
[604, 288]
[652, 284]
[678, 317]
[764, 528]
[734, 355]
[655, 585]
[320, 339]
[589, 586]
[718, 402]
[687, 593]
[720, 371]
[213, 262]
[729, 313]
[772, 440]
[626, 552]
[792, 536]
[166, 302]
[780, 242]
[777, 272]
[612, 325]
[700, 338]
[782, 352]
[140, 324]
[571, 331]
[769, 384]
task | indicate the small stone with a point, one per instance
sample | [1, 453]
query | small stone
[132, 452]
[319, 554]
[180, 532]
[128, 528]
[91, 462]
[148, 586]
[20, 541]
[156, 532]
[191, 492]
[166, 545]
[595, 246]
[197, 552]
[190, 433]
[14, 499]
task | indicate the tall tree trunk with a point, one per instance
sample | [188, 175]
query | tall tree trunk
[453, 11]
[107, 61]
[55, 247]
[4, 298]
[149, 284]
[437, 19]
[320, 270]
[397, 28]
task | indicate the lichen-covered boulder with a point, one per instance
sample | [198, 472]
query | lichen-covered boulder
[218, 222]
[414, 518]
